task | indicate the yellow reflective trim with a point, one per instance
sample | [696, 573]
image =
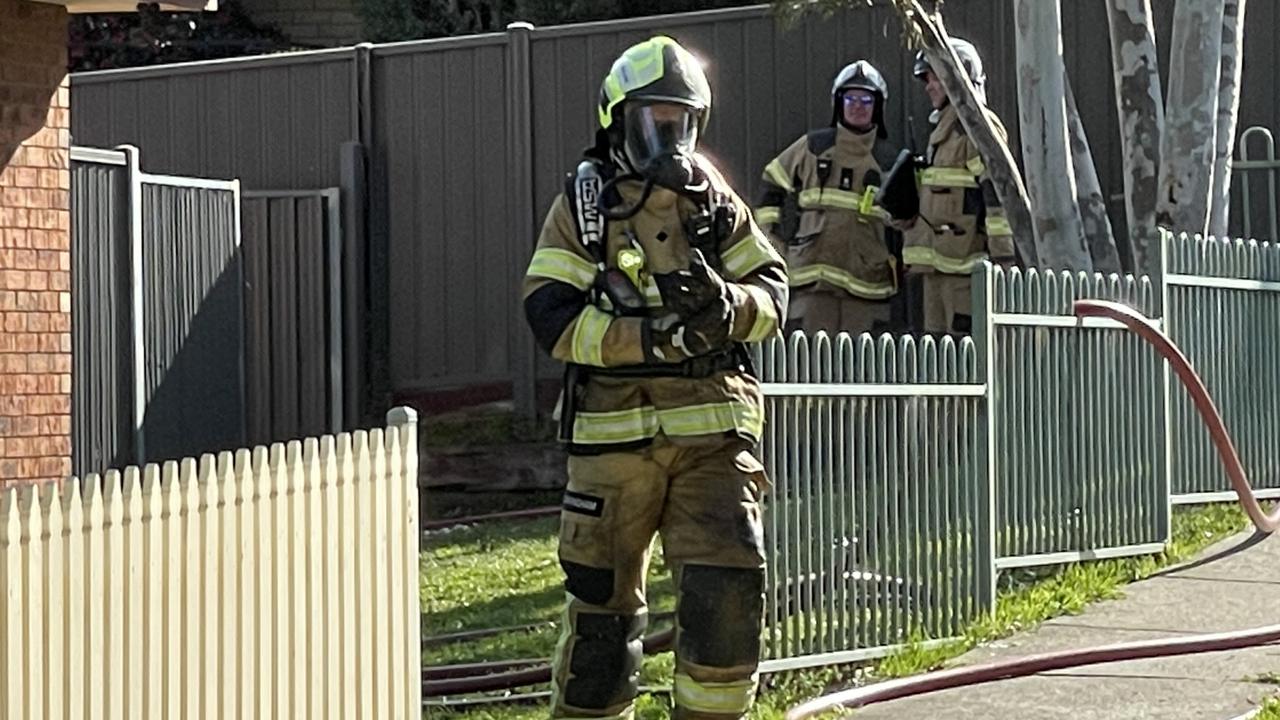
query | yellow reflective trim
[640, 423]
[976, 166]
[563, 266]
[640, 65]
[618, 426]
[747, 255]
[587, 347]
[768, 215]
[921, 255]
[998, 225]
[948, 177]
[917, 255]
[712, 418]
[778, 175]
[957, 266]
[862, 203]
[766, 322]
[819, 197]
[714, 697]
[652, 296]
[841, 279]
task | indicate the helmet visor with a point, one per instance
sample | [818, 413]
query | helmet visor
[658, 129]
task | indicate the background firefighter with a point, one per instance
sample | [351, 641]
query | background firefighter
[961, 222]
[817, 203]
[648, 277]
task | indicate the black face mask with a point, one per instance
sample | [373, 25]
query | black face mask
[659, 143]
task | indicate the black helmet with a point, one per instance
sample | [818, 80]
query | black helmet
[864, 76]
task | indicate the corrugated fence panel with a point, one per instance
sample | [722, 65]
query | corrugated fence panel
[878, 486]
[1079, 421]
[439, 210]
[102, 342]
[438, 199]
[273, 122]
[192, 321]
[288, 311]
[1224, 312]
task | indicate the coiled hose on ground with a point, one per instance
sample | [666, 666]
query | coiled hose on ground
[1003, 670]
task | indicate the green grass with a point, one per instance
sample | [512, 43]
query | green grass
[1269, 710]
[506, 574]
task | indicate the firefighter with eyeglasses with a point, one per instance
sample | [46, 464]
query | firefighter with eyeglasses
[649, 279]
[818, 203]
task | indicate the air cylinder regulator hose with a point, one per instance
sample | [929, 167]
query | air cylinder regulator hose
[1187, 644]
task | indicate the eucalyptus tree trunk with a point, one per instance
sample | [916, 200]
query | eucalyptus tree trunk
[1228, 109]
[1140, 107]
[1093, 205]
[1188, 146]
[1046, 151]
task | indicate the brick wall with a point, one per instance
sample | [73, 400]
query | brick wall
[318, 23]
[35, 258]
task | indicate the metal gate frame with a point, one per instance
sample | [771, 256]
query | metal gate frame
[128, 156]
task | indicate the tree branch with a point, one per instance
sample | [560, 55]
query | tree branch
[1001, 168]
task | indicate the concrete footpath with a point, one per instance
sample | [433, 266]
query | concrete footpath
[1225, 588]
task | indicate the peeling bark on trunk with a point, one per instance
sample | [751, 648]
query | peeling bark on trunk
[1141, 113]
[1228, 109]
[1046, 152]
[1188, 145]
[1002, 170]
[1093, 206]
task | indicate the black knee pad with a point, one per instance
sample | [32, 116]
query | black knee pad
[721, 612]
[588, 584]
[605, 660]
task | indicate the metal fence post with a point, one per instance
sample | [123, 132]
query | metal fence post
[354, 252]
[1164, 524]
[985, 493]
[135, 302]
[376, 279]
[520, 174]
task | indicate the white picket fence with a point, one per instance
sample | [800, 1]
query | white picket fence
[278, 582]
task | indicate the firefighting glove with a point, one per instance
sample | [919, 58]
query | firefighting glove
[689, 292]
[673, 339]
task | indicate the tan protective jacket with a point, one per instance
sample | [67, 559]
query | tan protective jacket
[618, 412]
[969, 225]
[839, 243]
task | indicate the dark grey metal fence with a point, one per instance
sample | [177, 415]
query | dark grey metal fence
[467, 139]
[198, 327]
[102, 363]
[156, 323]
[192, 321]
[293, 313]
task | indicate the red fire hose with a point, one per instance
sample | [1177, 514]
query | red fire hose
[1265, 524]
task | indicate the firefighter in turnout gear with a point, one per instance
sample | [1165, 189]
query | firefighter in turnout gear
[960, 221]
[817, 204]
[649, 277]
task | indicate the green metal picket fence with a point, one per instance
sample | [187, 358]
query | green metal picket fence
[908, 473]
[874, 528]
[1078, 411]
[1224, 312]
